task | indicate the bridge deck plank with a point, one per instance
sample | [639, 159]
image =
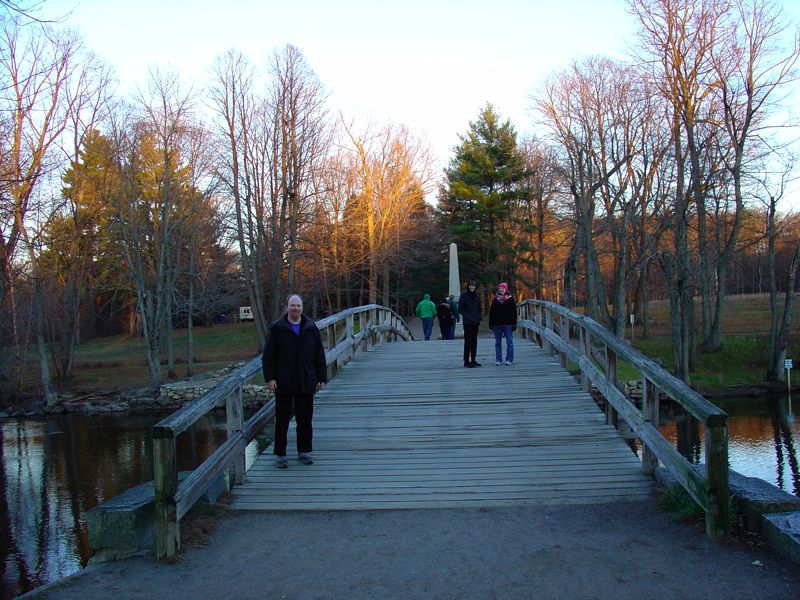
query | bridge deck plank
[407, 426]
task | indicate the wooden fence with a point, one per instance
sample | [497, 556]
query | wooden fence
[596, 351]
[344, 335]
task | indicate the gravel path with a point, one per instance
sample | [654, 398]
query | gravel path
[622, 551]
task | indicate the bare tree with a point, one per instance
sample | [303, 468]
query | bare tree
[274, 142]
[754, 68]
[592, 113]
[301, 129]
[394, 172]
[242, 168]
[152, 208]
[43, 90]
[677, 40]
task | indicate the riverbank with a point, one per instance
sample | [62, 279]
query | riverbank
[628, 550]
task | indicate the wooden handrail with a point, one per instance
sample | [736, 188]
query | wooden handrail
[172, 499]
[710, 491]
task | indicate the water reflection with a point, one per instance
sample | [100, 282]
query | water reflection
[53, 470]
[762, 436]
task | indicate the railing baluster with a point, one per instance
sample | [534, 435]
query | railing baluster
[564, 331]
[586, 345]
[650, 410]
[165, 475]
[612, 418]
[234, 413]
[718, 515]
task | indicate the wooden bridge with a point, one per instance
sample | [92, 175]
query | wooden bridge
[407, 426]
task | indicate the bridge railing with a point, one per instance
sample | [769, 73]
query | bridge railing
[344, 335]
[596, 351]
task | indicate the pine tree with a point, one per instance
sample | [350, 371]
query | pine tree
[477, 206]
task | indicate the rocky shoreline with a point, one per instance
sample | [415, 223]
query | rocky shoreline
[170, 397]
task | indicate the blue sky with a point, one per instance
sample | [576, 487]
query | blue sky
[428, 64]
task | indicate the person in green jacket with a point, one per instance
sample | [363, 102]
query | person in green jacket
[426, 311]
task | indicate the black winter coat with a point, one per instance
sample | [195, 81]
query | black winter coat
[296, 362]
[444, 314]
[503, 313]
[469, 307]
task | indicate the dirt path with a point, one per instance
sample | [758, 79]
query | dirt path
[608, 551]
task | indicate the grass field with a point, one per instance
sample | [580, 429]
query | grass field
[741, 362]
[118, 362]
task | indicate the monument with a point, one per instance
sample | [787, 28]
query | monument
[454, 288]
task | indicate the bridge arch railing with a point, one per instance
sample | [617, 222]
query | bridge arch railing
[344, 335]
[596, 351]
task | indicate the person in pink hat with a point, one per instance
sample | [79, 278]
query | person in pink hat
[503, 322]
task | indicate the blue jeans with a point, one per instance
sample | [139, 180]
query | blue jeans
[427, 326]
[499, 332]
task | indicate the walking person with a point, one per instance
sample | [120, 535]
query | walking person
[294, 368]
[446, 320]
[426, 311]
[451, 301]
[469, 307]
[503, 322]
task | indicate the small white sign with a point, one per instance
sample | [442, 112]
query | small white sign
[787, 364]
[631, 318]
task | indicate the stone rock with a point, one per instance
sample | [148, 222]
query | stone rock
[782, 532]
[755, 497]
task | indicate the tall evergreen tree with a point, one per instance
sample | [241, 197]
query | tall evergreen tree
[483, 184]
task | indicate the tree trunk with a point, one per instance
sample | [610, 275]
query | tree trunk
[190, 317]
[772, 347]
[51, 398]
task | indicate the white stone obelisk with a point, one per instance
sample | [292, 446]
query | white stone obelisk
[454, 289]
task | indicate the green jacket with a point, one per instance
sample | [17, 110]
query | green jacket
[426, 308]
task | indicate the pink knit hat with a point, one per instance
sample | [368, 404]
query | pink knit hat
[503, 286]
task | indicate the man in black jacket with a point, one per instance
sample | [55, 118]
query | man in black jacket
[294, 368]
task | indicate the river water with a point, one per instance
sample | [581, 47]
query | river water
[53, 470]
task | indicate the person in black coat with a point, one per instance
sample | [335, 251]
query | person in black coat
[294, 368]
[445, 315]
[469, 307]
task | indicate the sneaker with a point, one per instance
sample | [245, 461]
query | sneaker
[475, 363]
[509, 363]
[281, 462]
[305, 458]
[469, 365]
[498, 362]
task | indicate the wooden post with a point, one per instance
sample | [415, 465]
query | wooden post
[718, 516]
[612, 418]
[540, 323]
[564, 331]
[350, 332]
[165, 475]
[650, 413]
[548, 315]
[234, 413]
[585, 344]
[333, 366]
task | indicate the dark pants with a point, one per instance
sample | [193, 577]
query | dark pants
[303, 405]
[470, 341]
[427, 326]
[445, 329]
